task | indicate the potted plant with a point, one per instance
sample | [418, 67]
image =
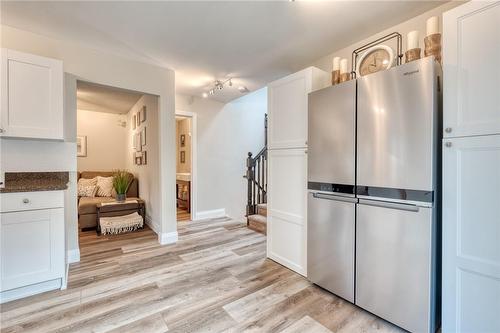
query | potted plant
[121, 181]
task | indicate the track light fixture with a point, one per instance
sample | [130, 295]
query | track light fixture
[219, 85]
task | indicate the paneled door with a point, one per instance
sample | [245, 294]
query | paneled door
[471, 234]
[287, 197]
[32, 96]
[471, 65]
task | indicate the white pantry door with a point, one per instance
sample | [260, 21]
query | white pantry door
[471, 234]
[471, 69]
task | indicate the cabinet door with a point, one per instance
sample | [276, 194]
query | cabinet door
[471, 64]
[286, 232]
[32, 99]
[471, 234]
[32, 248]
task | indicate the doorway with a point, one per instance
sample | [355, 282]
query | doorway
[185, 165]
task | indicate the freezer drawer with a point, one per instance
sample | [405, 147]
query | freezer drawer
[393, 263]
[331, 135]
[397, 127]
[331, 231]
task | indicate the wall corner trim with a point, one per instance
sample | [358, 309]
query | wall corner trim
[210, 214]
[168, 238]
[73, 256]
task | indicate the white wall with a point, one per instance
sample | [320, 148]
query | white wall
[147, 175]
[102, 68]
[416, 23]
[106, 141]
[225, 134]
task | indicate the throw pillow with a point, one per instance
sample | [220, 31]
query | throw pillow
[84, 186]
[104, 186]
[87, 191]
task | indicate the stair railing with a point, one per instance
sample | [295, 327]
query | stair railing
[256, 176]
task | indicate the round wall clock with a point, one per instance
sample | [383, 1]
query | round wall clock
[376, 58]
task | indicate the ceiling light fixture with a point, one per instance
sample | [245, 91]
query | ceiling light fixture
[219, 85]
[243, 89]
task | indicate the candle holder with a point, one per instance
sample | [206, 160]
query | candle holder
[344, 77]
[413, 54]
[433, 46]
[335, 77]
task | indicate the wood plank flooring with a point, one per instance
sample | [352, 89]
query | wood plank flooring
[215, 279]
[183, 215]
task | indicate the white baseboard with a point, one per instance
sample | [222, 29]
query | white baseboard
[210, 214]
[73, 256]
[168, 238]
[13, 294]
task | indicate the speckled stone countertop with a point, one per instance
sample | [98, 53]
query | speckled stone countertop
[35, 181]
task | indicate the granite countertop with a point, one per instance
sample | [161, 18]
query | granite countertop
[35, 181]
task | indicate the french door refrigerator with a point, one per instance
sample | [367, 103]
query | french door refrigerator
[397, 159]
[376, 246]
[331, 198]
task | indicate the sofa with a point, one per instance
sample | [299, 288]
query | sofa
[87, 206]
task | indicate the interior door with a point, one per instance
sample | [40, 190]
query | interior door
[393, 256]
[471, 234]
[330, 241]
[471, 65]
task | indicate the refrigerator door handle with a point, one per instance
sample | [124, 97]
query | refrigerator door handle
[392, 205]
[334, 197]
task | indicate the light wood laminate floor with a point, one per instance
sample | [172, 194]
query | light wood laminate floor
[215, 279]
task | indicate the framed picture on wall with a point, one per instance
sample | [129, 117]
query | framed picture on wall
[183, 156]
[138, 119]
[138, 146]
[81, 146]
[144, 157]
[134, 121]
[137, 158]
[143, 137]
[183, 140]
[142, 112]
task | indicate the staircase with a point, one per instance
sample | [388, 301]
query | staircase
[256, 175]
[258, 222]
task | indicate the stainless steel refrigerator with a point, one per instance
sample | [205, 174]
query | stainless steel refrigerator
[395, 201]
[331, 182]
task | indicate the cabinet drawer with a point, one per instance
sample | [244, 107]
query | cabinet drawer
[20, 201]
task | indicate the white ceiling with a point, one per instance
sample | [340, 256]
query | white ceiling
[94, 97]
[254, 42]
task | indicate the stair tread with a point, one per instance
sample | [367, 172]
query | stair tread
[258, 218]
[262, 205]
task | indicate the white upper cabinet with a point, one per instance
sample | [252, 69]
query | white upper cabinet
[32, 96]
[287, 108]
[471, 69]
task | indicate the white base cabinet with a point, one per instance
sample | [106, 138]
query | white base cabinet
[32, 96]
[287, 203]
[32, 255]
